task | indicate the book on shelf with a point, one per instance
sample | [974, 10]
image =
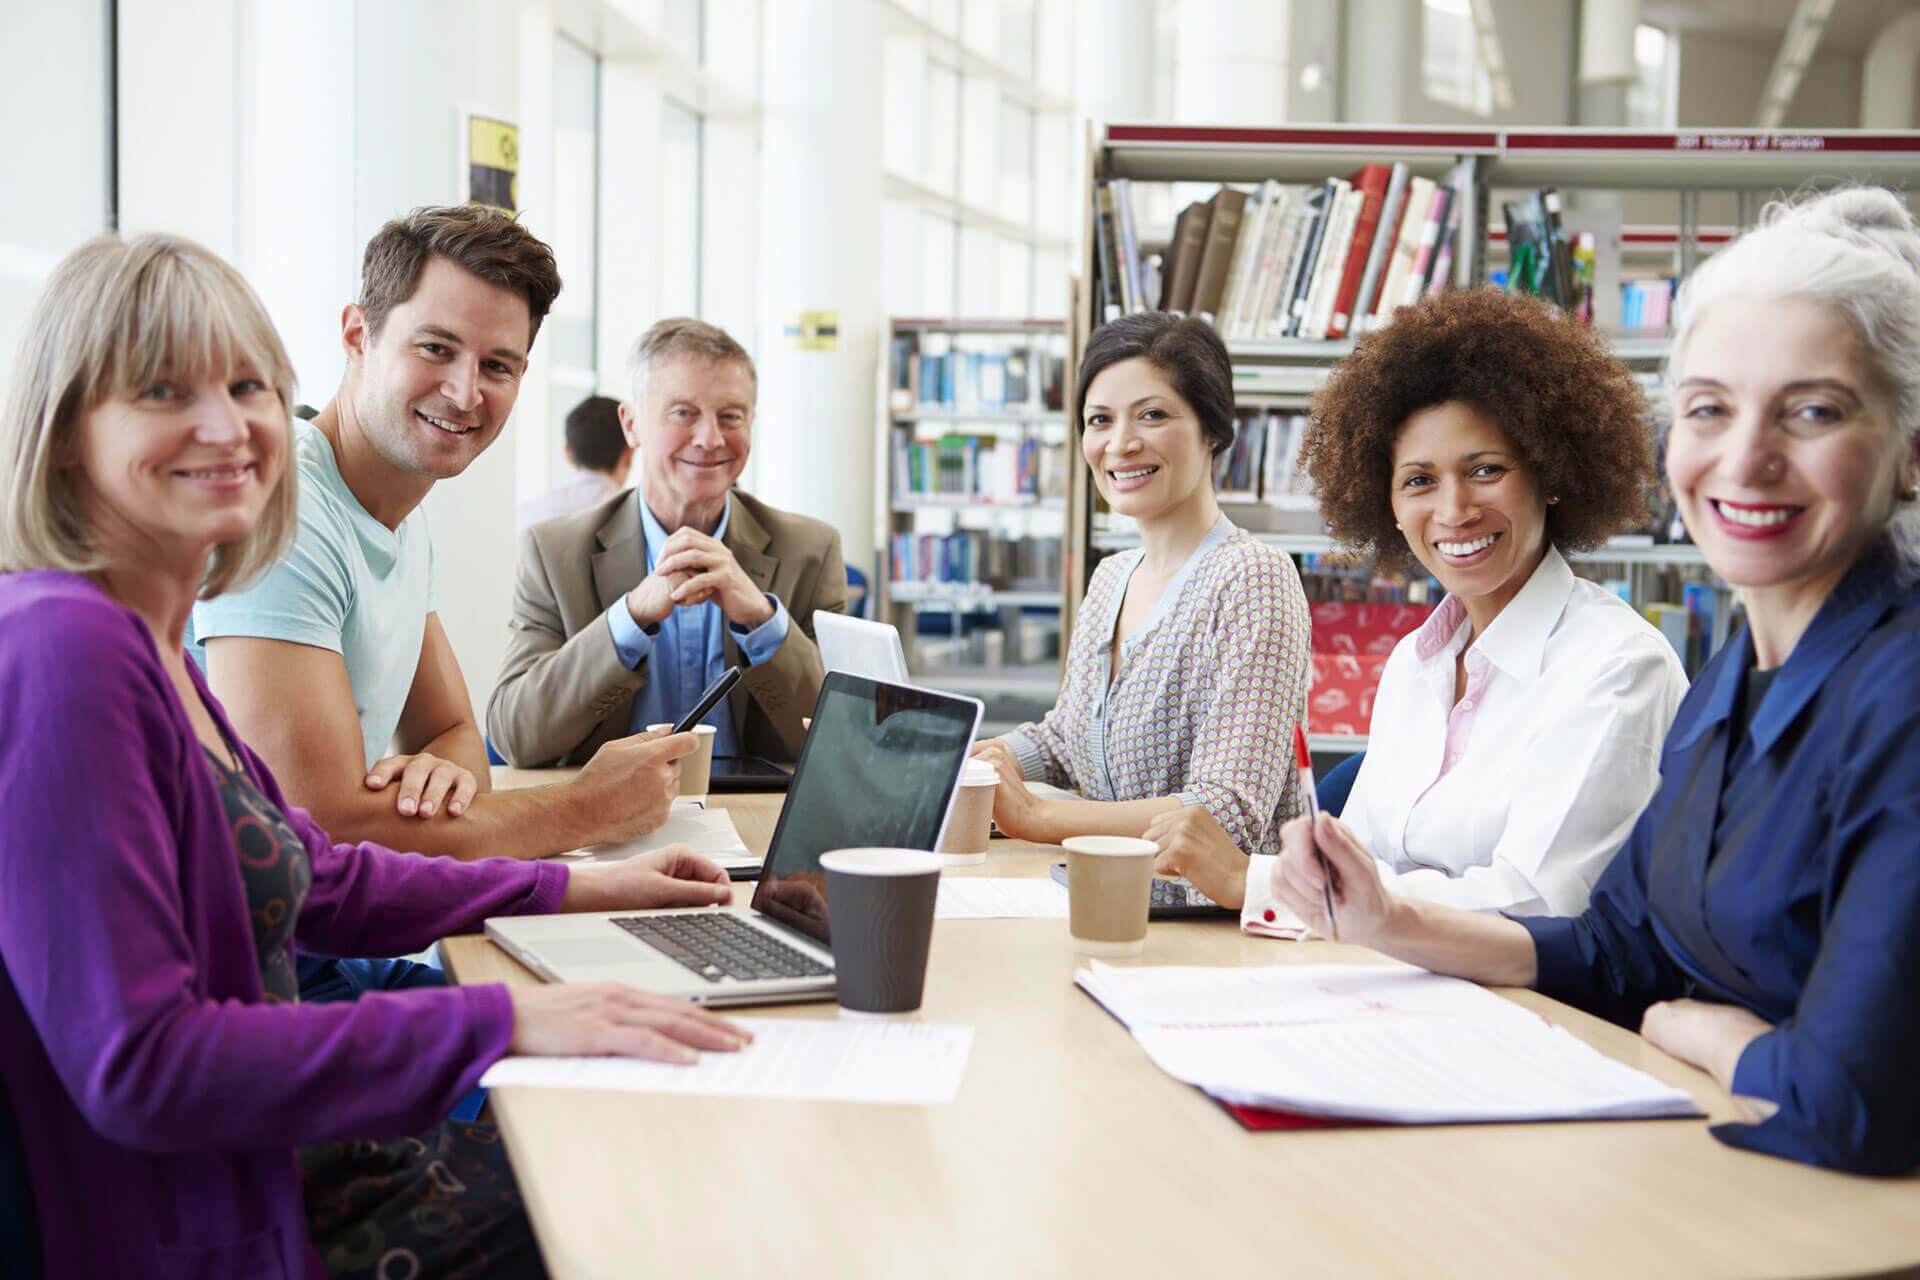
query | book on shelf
[1011, 470]
[975, 559]
[1327, 260]
[930, 375]
[1261, 463]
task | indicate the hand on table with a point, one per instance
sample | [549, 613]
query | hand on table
[1362, 903]
[1013, 804]
[627, 788]
[707, 571]
[1709, 1036]
[427, 784]
[1193, 844]
[669, 877]
[604, 1018]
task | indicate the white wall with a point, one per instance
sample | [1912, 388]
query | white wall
[53, 184]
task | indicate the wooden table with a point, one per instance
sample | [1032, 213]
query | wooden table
[1067, 1152]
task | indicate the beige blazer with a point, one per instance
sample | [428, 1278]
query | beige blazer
[563, 690]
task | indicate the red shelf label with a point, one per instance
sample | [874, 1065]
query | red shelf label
[1715, 143]
[1399, 139]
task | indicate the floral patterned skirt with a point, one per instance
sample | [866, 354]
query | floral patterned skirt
[441, 1205]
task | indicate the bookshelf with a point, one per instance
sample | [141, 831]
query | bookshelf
[974, 451]
[1278, 374]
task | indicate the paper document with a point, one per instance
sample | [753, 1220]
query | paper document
[984, 898]
[703, 830]
[1363, 1042]
[906, 1063]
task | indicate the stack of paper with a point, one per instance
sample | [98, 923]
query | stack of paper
[700, 829]
[1376, 1043]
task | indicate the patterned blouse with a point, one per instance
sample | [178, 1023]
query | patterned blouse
[1205, 696]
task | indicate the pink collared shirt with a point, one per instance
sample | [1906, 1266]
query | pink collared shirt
[1515, 797]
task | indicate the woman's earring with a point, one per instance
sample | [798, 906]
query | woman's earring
[1551, 501]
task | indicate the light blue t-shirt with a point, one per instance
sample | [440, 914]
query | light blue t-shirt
[349, 584]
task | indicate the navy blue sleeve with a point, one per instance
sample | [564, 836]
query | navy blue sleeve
[1608, 960]
[1844, 1067]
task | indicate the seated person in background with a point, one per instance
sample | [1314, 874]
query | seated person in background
[597, 448]
[1763, 921]
[1516, 735]
[1187, 670]
[338, 652]
[180, 1111]
[625, 612]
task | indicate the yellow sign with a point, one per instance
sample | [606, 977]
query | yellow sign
[493, 163]
[814, 331]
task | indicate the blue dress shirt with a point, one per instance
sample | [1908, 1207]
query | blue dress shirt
[684, 651]
[1781, 873]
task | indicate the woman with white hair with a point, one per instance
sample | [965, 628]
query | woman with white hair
[1763, 920]
[180, 1113]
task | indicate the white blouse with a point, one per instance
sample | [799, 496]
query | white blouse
[1516, 797]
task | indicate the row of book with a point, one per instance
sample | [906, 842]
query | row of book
[983, 468]
[1647, 304]
[1318, 261]
[929, 375]
[1263, 463]
[974, 557]
[1697, 626]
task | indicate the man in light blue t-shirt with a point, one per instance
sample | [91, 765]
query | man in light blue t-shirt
[337, 657]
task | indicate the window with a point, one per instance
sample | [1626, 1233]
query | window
[1650, 98]
[570, 332]
[1450, 61]
[680, 221]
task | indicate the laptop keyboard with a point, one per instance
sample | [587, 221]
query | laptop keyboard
[718, 945]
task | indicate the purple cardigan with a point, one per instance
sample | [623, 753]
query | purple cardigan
[158, 1098]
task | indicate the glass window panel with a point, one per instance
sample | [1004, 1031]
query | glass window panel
[568, 334]
[1049, 284]
[939, 165]
[680, 26]
[730, 39]
[1015, 159]
[979, 126]
[1017, 37]
[1056, 179]
[904, 66]
[944, 16]
[980, 28]
[937, 252]
[901, 274]
[975, 277]
[1012, 278]
[1649, 105]
[1450, 62]
[680, 221]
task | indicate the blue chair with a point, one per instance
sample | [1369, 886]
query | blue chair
[493, 757]
[1332, 790]
[857, 595]
[19, 1232]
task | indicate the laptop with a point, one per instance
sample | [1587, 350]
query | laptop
[864, 648]
[880, 767]
[748, 773]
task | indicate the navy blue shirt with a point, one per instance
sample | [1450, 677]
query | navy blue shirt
[1781, 872]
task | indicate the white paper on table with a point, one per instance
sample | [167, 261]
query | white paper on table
[985, 898]
[1285, 995]
[905, 1063]
[1413, 1071]
[700, 829]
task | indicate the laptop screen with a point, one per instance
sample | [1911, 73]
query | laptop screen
[878, 768]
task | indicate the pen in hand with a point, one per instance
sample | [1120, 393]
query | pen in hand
[1303, 762]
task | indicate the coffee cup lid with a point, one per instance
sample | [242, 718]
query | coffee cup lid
[880, 862]
[1112, 846]
[978, 773]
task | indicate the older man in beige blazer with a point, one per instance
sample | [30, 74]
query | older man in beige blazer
[625, 611]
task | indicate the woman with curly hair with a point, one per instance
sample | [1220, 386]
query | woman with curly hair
[1516, 736]
[1188, 668]
[1762, 921]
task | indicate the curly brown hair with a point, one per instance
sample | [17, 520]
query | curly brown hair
[1572, 410]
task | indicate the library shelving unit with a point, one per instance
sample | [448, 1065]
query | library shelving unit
[1281, 375]
[975, 499]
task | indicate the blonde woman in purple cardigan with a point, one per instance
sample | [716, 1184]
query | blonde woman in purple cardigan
[1188, 667]
[179, 1111]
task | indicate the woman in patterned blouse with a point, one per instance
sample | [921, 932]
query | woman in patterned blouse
[1188, 667]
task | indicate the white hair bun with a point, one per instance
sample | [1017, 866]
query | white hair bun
[1871, 217]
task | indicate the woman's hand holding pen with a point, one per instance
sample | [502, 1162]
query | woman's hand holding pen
[1362, 902]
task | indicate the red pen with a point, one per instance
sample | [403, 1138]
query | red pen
[1303, 761]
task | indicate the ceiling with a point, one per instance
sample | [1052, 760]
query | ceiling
[1851, 28]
